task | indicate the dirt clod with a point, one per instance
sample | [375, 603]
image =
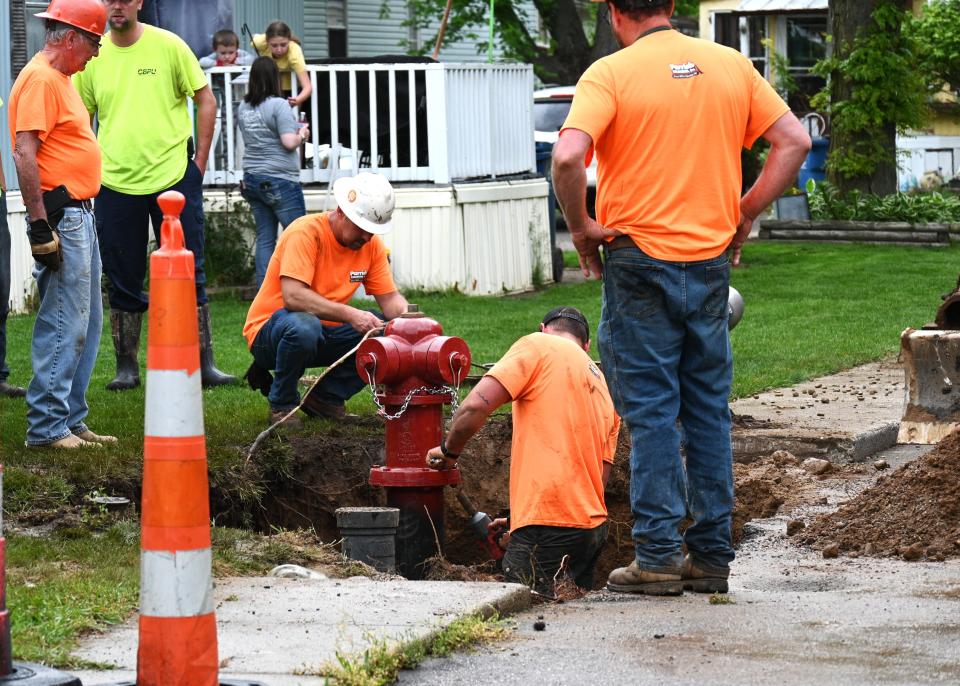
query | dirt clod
[814, 465]
[912, 552]
[880, 465]
[795, 526]
[831, 551]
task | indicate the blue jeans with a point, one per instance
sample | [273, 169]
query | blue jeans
[290, 342]
[272, 200]
[122, 222]
[666, 354]
[4, 285]
[66, 334]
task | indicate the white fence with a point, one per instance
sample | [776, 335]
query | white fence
[430, 123]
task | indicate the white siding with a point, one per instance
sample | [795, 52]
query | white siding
[315, 29]
[369, 35]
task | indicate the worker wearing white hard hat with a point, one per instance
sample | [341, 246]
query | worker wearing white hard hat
[302, 316]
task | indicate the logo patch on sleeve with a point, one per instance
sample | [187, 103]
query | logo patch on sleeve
[686, 70]
[357, 277]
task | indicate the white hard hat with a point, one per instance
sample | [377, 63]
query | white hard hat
[367, 200]
[735, 307]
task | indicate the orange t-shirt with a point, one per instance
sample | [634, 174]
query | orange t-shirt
[308, 251]
[44, 100]
[564, 428]
[668, 116]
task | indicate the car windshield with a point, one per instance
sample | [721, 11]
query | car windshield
[548, 115]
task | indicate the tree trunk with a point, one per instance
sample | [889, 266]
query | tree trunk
[847, 18]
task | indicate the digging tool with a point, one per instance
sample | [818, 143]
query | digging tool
[487, 536]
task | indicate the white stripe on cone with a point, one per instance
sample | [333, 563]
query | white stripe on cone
[176, 584]
[174, 404]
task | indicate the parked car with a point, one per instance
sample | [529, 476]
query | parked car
[550, 108]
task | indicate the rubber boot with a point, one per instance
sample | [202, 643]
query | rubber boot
[210, 376]
[125, 327]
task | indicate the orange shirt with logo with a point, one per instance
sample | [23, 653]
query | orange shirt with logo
[308, 251]
[44, 100]
[564, 429]
[668, 117]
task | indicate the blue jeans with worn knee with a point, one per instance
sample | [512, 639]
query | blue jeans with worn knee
[66, 334]
[291, 342]
[666, 354]
[273, 200]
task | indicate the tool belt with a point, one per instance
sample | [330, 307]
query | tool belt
[619, 243]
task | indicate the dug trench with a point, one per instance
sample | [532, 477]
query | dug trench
[306, 476]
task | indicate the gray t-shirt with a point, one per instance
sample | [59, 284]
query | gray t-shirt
[261, 127]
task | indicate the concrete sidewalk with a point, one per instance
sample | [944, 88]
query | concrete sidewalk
[280, 631]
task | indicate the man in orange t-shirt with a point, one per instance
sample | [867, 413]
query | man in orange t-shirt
[301, 316]
[58, 165]
[668, 116]
[564, 440]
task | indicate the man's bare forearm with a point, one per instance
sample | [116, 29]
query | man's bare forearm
[28, 174]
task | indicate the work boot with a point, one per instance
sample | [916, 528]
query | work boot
[210, 376]
[292, 422]
[11, 391]
[313, 406]
[702, 578]
[632, 579]
[260, 379]
[91, 437]
[125, 327]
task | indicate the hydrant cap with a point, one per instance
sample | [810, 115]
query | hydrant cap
[87, 15]
[368, 201]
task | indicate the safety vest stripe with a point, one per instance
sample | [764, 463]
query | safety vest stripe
[174, 404]
[169, 357]
[176, 583]
[157, 538]
[176, 449]
[178, 651]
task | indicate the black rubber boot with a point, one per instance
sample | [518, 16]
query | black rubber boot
[210, 376]
[125, 327]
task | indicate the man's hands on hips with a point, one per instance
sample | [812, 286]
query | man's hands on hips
[587, 240]
[743, 232]
[363, 321]
[45, 244]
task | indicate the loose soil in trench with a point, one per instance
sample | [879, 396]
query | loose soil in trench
[328, 468]
[914, 512]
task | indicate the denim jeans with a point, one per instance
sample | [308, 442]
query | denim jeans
[122, 222]
[290, 342]
[535, 554]
[272, 200]
[4, 285]
[666, 354]
[66, 334]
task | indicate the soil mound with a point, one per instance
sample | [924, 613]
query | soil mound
[913, 512]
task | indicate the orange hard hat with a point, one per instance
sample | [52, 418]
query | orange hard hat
[89, 15]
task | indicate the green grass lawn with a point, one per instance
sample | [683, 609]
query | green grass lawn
[811, 309]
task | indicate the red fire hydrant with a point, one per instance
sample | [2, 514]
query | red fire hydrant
[419, 371]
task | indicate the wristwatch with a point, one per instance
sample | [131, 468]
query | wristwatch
[446, 453]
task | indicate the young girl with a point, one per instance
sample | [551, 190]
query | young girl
[279, 43]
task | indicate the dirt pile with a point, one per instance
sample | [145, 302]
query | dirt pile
[913, 512]
[327, 467]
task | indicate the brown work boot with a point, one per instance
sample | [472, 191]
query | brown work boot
[314, 407]
[91, 437]
[292, 422]
[702, 578]
[632, 579]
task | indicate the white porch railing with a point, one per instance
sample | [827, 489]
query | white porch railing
[411, 122]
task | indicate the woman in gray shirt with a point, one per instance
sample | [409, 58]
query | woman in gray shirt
[271, 159]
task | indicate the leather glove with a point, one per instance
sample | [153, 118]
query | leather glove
[45, 244]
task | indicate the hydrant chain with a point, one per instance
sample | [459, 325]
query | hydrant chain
[428, 390]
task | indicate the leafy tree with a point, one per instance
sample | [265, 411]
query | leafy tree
[937, 34]
[874, 90]
[576, 33]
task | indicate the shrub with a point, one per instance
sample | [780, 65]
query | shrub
[826, 202]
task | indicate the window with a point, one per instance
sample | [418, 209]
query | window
[806, 44]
